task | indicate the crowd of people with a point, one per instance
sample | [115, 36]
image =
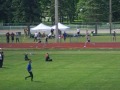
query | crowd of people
[38, 36]
[13, 37]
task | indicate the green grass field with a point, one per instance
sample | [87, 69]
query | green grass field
[84, 69]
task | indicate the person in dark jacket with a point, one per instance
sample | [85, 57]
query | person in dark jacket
[1, 58]
[26, 57]
[64, 35]
[114, 36]
[29, 69]
[47, 57]
[12, 37]
[8, 37]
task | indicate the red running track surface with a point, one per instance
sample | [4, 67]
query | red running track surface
[60, 45]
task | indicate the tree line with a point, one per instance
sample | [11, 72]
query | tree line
[33, 11]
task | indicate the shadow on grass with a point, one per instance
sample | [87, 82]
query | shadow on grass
[38, 81]
[4, 68]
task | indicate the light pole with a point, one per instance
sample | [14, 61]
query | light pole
[56, 20]
[110, 15]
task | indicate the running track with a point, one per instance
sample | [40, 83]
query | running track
[60, 45]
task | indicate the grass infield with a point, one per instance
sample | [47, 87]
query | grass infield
[89, 69]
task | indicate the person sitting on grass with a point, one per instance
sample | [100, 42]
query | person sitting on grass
[47, 57]
[26, 57]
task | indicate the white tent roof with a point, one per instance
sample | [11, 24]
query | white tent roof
[60, 26]
[41, 27]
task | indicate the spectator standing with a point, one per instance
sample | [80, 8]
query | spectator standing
[8, 37]
[43, 35]
[59, 32]
[35, 37]
[78, 31]
[26, 31]
[1, 58]
[64, 36]
[114, 36]
[17, 37]
[38, 37]
[12, 37]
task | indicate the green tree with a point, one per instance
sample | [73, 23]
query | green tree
[52, 11]
[93, 10]
[33, 11]
[71, 9]
[66, 9]
[5, 10]
[45, 6]
[116, 10]
[27, 11]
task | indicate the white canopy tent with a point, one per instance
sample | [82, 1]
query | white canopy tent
[61, 27]
[41, 27]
